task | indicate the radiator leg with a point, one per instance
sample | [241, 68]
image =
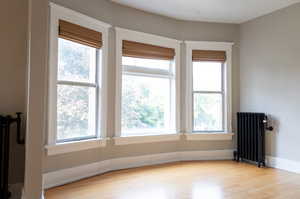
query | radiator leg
[261, 164]
[236, 156]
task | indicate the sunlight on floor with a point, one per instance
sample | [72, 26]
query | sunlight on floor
[204, 190]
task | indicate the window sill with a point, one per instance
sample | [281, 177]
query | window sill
[146, 139]
[75, 146]
[209, 136]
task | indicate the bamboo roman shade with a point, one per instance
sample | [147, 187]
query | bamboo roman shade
[141, 50]
[209, 55]
[80, 34]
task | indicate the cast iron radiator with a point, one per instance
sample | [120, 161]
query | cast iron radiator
[251, 129]
[5, 125]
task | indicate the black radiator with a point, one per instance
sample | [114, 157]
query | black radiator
[251, 129]
[5, 124]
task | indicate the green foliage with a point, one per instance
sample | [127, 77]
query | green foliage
[74, 61]
[73, 101]
[140, 109]
[207, 112]
[73, 111]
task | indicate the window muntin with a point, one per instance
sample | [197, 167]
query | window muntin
[147, 97]
[77, 91]
[208, 96]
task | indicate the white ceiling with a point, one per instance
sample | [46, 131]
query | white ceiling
[224, 11]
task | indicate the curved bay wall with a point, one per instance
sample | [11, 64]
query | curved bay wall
[133, 19]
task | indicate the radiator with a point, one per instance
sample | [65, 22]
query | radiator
[5, 124]
[251, 129]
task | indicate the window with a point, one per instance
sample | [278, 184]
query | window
[208, 87]
[208, 96]
[77, 91]
[77, 71]
[147, 96]
[147, 84]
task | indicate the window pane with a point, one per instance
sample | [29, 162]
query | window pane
[145, 105]
[208, 112]
[207, 76]
[76, 62]
[147, 63]
[76, 112]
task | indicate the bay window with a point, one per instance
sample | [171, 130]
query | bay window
[148, 80]
[147, 96]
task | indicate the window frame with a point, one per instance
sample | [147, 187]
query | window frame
[125, 34]
[169, 75]
[222, 93]
[98, 91]
[56, 13]
[226, 84]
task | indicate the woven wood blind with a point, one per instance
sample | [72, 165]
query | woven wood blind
[80, 34]
[209, 55]
[141, 50]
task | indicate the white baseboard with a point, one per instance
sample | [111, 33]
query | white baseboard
[64, 176]
[284, 164]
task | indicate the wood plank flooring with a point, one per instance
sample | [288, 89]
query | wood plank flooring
[185, 180]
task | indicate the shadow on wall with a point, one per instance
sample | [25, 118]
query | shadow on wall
[271, 136]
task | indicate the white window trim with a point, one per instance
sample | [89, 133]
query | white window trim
[207, 45]
[146, 139]
[69, 147]
[58, 12]
[125, 34]
[209, 136]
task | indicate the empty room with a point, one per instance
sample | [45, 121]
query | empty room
[139, 99]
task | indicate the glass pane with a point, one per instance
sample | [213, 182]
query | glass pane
[76, 62]
[76, 112]
[207, 76]
[145, 105]
[147, 63]
[208, 112]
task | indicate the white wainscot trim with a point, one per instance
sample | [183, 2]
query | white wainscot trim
[284, 164]
[64, 176]
[209, 136]
[146, 139]
[75, 146]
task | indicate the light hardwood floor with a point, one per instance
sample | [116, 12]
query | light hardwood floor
[186, 180]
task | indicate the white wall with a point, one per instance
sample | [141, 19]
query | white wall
[270, 76]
